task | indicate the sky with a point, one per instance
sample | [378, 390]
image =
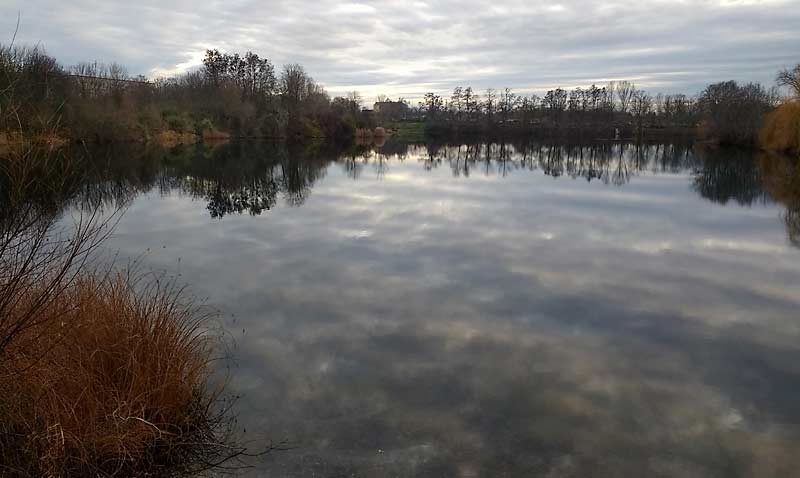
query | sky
[404, 48]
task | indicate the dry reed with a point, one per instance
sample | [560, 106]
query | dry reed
[115, 385]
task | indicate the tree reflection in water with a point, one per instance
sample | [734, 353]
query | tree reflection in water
[244, 177]
[781, 177]
[251, 177]
[726, 174]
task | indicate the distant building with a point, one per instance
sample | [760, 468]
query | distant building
[391, 110]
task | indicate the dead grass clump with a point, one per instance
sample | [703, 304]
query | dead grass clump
[117, 386]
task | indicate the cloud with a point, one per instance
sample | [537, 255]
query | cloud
[402, 49]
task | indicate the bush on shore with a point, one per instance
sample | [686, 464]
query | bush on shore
[781, 131]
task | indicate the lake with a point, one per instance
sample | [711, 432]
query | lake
[486, 311]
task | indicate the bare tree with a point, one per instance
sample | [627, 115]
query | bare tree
[527, 108]
[625, 91]
[574, 101]
[355, 99]
[507, 104]
[594, 97]
[456, 102]
[490, 104]
[555, 101]
[471, 104]
[607, 98]
[790, 78]
[433, 105]
[293, 87]
[734, 112]
[641, 105]
[259, 75]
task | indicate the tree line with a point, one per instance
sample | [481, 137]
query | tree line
[729, 112]
[245, 96]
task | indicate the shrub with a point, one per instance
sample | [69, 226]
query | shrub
[179, 122]
[781, 130]
[149, 122]
[203, 125]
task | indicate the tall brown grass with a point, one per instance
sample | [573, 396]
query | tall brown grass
[116, 385]
[781, 130]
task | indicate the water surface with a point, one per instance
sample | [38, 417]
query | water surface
[491, 310]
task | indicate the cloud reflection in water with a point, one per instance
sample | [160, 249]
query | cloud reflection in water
[418, 322]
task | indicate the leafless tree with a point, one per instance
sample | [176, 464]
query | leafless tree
[507, 104]
[790, 78]
[641, 105]
[734, 112]
[490, 104]
[555, 101]
[625, 91]
[574, 101]
[293, 88]
[432, 105]
[527, 108]
[456, 102]
[594, 96]
[471, 104]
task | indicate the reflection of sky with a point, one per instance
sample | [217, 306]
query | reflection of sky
[421, 324]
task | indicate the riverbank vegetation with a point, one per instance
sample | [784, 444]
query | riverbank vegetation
[781, 131]
[616, 111]
[230, 96]
[245, 96]
[104, 371]
[726, 112]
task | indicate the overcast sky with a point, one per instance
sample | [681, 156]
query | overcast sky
[405, 48]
